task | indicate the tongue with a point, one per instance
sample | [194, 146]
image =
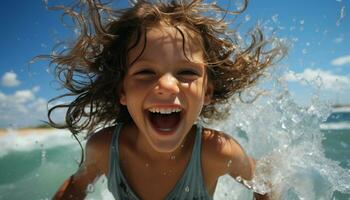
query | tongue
[164, 121]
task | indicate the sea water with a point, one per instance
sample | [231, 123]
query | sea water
[303, 152]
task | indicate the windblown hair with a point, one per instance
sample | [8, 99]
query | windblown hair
[93, 68]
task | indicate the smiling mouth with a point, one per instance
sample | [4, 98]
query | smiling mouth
[164, 123]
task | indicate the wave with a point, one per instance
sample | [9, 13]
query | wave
[341, 109]
[335, 126]
[15, 140]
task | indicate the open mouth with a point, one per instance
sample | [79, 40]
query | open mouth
[164, 121]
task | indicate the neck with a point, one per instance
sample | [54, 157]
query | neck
[143, 147]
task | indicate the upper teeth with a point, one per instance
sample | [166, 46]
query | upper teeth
[164, 110]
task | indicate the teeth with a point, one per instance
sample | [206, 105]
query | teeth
[164, 110]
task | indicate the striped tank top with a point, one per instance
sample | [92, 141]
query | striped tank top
[189, 187]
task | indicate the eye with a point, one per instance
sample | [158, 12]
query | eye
[188, 73]
[145, 72]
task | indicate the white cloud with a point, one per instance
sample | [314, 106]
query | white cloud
[343, 60]
[9, 79]
[325, 79]
[35, 88]
[22, 108]
[23, 96]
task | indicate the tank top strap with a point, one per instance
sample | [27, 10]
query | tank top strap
[117, 184]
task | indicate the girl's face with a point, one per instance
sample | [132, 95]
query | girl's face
[163, 90]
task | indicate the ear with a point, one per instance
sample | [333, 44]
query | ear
[208, 93]
[122, 97]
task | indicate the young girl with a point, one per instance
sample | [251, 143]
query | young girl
[144, 78]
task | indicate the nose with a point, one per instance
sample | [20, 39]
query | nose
[167, 85]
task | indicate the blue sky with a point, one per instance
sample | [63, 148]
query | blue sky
[318, 30]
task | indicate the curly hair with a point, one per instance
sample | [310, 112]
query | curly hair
[93, 68]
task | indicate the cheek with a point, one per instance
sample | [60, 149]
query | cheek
[133, 92]
[196, 92]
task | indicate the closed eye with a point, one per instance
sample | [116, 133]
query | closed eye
[188, 72]
[144, 72]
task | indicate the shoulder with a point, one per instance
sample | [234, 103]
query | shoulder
[224, 155]
[96, 159]
[97, 149]
[100, 137]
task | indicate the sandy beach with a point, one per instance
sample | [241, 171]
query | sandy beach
[26, 131]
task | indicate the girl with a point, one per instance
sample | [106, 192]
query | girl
[144, 78]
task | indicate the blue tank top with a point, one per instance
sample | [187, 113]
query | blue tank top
[189, 186]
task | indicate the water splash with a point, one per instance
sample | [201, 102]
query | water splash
[341, 16]
[290, 155]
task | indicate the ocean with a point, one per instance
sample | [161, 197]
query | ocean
[34, 164]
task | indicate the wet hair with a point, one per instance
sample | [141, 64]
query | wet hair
[93, 68]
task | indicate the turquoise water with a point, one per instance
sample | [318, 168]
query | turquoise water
[337, 147]
[32, 167]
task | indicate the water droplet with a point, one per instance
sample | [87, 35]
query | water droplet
[90, 188]
[147, 165]
[341, 17]
[275, 18]
[172, 157]
[187, 189]
[182, 146]
[229, 163]
[247, 18]
[43, 155]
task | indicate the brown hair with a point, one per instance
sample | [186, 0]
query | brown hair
[93, 68]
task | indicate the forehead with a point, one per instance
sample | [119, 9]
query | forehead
[167, 42]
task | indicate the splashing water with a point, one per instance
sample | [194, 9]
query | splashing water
[287, 141]
[341, 16]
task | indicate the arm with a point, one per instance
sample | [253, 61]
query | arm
[94, 165]
[75, 186]
[245, 168]
[258, 196]
[224, 155]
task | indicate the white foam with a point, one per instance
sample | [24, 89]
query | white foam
[344, 109]
[335, 126]
[14, 141]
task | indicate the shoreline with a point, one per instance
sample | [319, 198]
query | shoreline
[25, 131]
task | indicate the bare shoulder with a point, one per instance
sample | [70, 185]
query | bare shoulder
[97, 149]
[224, 155]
